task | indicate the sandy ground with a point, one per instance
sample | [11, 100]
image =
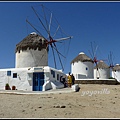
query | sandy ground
[92, 101]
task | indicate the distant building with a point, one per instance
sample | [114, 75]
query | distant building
[101, 71]
[82, 67]
[116, 72]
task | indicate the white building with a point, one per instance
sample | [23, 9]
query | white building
[116, 72]
[32, 72]
[31, 78]
[101, 71]
[82, 67]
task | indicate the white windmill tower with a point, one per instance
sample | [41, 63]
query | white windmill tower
[29, 52]
[101, 70]
[111, 64]
[82, 67]
[116, 72]
[32, 51]
[114, 68]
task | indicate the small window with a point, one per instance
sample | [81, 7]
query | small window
[53, 73]
[8, 73]
[57, 76]
[14, 75]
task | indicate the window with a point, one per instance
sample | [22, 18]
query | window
[78, 76]
[53, 73]
[57, 76]
[8, 73]
[14, 75]
[86, 68]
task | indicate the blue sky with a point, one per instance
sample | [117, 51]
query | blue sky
[87, 22]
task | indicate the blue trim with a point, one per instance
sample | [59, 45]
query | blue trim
[38, 81]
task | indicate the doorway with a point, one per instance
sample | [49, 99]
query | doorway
[38, 81]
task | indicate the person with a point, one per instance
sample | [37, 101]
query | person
[69, 80]
[64, 81]
[73, 79]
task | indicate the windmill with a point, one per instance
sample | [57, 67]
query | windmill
[51, 31]
[111, 64]
[110, 60]
[98, 63]
[94, 57]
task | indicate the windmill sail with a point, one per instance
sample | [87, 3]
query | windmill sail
[111, 65]
[49, 28]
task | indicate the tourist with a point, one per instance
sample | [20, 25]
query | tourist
[73, 79]
[69, 80]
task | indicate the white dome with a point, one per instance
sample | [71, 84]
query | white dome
[101, 60]
[81, 53]
[33, 33]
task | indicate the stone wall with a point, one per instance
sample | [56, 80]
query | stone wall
[109, 82]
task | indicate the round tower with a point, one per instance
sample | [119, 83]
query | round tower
[116, 72]
[101, 71]
[82, 66]
[32, 51]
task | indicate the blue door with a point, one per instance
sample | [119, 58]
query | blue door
[38, 81]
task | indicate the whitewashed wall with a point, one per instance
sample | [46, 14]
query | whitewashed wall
[31, 58]
[85, 69]
[102, 73]
[50, 77]
[116, 75]
[22, 81]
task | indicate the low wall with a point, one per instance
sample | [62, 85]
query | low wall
[85, 81]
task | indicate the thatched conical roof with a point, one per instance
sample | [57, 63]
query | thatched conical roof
[116, 67]
[82, 57]
[101, 65]
[32, 41]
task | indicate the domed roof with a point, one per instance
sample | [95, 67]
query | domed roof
[82, 57]
[116, 67]
[101, 65]
[32, 41]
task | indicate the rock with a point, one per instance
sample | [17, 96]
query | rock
[23, 110]
[40, 107]
[56, 106]
[75, 87]
[63, 106]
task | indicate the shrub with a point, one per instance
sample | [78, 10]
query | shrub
[7, 84]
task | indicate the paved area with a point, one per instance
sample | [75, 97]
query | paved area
[63, 90]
